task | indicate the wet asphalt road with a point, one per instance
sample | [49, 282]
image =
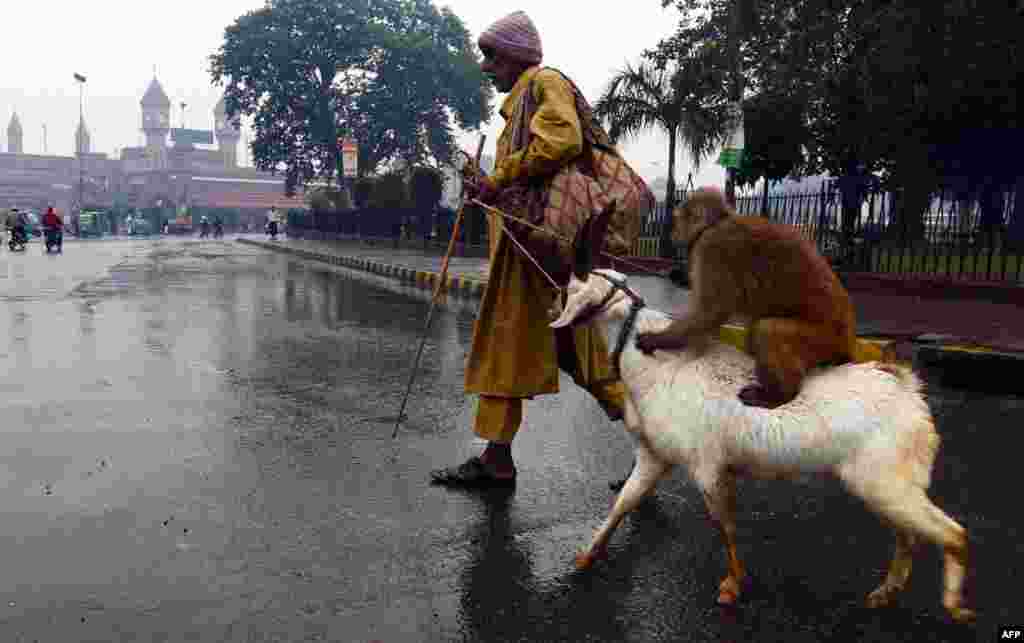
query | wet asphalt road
[198, 448]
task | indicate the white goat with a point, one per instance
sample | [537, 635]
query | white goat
[867, 424]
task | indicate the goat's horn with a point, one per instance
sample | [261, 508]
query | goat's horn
[598, 229]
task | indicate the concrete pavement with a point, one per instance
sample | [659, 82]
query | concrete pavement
[975, 342]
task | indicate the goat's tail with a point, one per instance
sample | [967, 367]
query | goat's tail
[905, 374]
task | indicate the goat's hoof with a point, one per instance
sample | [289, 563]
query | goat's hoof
[962, 615]
[586, 559]
[881, 597]
[728, 591]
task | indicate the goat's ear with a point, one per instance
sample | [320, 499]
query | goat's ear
[590, 240]
[599, 228]
[582, 262]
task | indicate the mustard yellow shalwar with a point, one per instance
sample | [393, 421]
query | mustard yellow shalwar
[515, 354]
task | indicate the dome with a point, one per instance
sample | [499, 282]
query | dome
[155, 96]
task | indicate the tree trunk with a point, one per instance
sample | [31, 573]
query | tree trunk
[665, 247]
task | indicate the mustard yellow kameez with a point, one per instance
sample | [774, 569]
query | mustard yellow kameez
[514, 353]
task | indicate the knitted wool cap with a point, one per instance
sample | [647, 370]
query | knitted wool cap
[514, 36]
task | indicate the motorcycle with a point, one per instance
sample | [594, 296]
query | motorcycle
[54, 238]
[218, 230]
[18, 240]
[204, 231]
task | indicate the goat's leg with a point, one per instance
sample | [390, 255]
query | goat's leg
[899, 571]
[908, 508]
[648, 470]
[720, 496]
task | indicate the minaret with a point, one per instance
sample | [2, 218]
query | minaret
[82, 140]
[228, 133]
[156, 122]
[14, 135]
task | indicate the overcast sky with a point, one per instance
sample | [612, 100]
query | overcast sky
[117, 44]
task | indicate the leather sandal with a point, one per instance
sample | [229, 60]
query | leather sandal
[471, 473]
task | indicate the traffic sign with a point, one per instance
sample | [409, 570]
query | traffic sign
[730, 157]
[350, 157]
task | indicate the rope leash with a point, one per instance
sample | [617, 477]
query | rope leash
[562, 239]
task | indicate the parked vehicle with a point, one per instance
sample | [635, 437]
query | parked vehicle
[89, 224]
[17, 240]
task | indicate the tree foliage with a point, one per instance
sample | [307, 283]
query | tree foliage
[672, 96]
[917, 92]
[397, 75]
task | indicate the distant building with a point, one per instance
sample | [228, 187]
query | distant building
[154, 175]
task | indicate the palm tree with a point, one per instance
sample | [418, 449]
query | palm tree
[680, 99]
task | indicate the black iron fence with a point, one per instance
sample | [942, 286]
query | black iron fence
[870, 231]
[866, 230]
[424, 228]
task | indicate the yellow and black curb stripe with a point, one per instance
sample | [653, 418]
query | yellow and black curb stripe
[458, 285]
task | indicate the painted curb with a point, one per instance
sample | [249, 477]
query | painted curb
[956, 365]
[458, 285]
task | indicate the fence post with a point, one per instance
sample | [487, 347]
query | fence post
[821, 216]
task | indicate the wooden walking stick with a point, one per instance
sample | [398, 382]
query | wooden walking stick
[438, 288]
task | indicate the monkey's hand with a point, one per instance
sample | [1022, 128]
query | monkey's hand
[650, 342]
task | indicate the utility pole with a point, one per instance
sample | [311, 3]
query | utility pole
[44, 139]
[81, 157]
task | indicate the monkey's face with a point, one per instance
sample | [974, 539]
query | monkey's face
[687, 221]
[706, 207]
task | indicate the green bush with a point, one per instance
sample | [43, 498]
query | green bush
[426, 187]
[363, 190]
[389, 192]
[323, 199]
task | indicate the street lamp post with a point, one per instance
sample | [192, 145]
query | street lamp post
[736, 33]
[81, 159]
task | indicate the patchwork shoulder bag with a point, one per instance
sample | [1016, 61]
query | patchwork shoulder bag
[563, 202]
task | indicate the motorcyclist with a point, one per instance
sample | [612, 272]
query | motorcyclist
[53, 226]
[218, 227]
[204, 226]
[11, 220]
[17, 226]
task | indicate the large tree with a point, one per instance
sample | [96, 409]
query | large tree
[889, 86]
[671, 97]
[397, 75]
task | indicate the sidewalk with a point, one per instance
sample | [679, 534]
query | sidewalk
[972, 342]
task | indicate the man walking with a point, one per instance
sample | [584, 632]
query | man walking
[515, 355]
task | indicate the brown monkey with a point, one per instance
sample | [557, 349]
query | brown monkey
[800, 314]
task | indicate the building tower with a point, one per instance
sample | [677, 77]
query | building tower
[14, 135]
[83, 143]
[156, 122]
[228, 133]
